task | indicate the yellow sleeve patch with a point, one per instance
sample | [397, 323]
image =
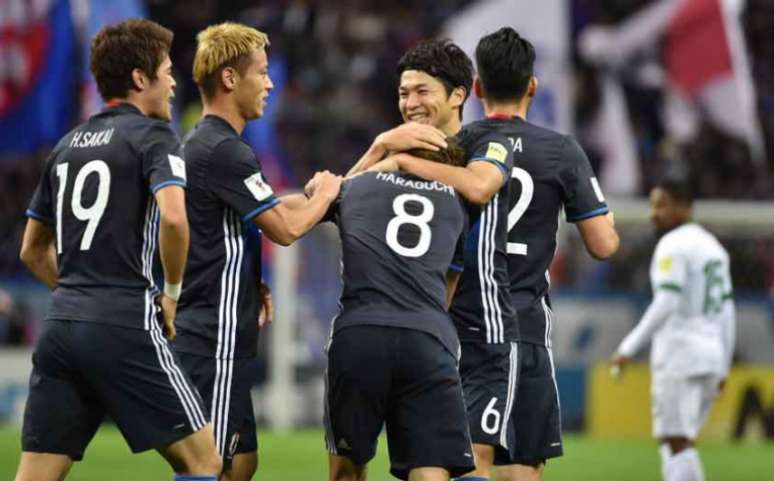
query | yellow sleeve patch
[497, 151]
[665, 264]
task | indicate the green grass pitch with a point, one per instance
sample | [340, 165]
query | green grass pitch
[300, 456]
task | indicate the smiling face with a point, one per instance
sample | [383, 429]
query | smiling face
[253, 86]
[423, 99]
[161, 91]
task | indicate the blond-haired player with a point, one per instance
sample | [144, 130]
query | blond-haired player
[229, 200]
[691, 321]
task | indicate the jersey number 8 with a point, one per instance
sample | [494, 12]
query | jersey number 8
[93, 213]
[402, 217]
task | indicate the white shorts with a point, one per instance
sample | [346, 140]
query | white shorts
[680, 405]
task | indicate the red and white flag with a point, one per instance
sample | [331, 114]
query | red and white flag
[706, 64]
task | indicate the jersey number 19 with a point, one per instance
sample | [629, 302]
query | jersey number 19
[91, 214]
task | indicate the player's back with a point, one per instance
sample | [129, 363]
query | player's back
[98, 192]
[550, 173]
[399, 234]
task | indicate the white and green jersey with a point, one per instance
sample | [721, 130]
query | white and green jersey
[697, 337]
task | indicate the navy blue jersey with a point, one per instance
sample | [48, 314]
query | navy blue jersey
[550, 173]
[481, 308]
[97, 190]
[399, 234]
[217, 314]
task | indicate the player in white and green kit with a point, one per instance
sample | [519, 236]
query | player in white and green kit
[691, 321]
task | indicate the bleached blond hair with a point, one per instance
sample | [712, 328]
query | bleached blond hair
[224, 45]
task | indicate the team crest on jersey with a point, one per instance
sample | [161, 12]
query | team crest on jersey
[177, 165]
[665, 264]
[497, 151]
[258, 187]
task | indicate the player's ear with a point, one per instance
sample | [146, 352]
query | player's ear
[532, 87]
[228, 77]
[457, 96]
[140, 81]
[478, 89]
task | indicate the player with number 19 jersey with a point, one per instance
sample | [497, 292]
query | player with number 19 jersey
[98, 191]
[102, 350]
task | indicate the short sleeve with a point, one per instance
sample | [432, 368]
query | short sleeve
[41, 206]
[582, 196]
[163, 164]
[494, 148]
[235, 177]
[668, 268]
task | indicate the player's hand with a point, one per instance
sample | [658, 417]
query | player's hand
[324, 183]
[168, 311]
[411, 135]
[618, 361]
[266, 316]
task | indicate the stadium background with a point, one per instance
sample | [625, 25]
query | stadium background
[679, 88]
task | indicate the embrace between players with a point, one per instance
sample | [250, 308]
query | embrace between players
[447, 234]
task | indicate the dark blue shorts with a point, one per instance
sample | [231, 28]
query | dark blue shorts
[83, 371]
[225, 387]
[405, 380]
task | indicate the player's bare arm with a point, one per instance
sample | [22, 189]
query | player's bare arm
[38, 251]
[478, 182]
[452, 278]
[411, 135]
[599, 236]
[284, 225]
[173, 249]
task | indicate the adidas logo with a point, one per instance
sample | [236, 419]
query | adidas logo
[343, 444]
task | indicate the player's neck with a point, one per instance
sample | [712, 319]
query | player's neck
[130, 99]
[452, 127]
[505, 109]
[226, 112]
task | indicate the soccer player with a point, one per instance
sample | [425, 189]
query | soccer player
[392, 358]
[436, 78]
[111, 198]
[691, 321]
[228, 201]
[550, 174]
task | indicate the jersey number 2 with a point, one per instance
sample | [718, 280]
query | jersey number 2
[402, 217]
[93, 213]
[527, 191]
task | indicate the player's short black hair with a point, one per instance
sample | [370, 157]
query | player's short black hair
[453, 154]
[443, 60]
[679, 190]
[118, 49]
[505, 63]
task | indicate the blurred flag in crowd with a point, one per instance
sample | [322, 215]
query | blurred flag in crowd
[93, 15]
[705, 75]
[547, 25]
[37, 83]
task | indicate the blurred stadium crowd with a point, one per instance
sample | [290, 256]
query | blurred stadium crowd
[334, 63]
